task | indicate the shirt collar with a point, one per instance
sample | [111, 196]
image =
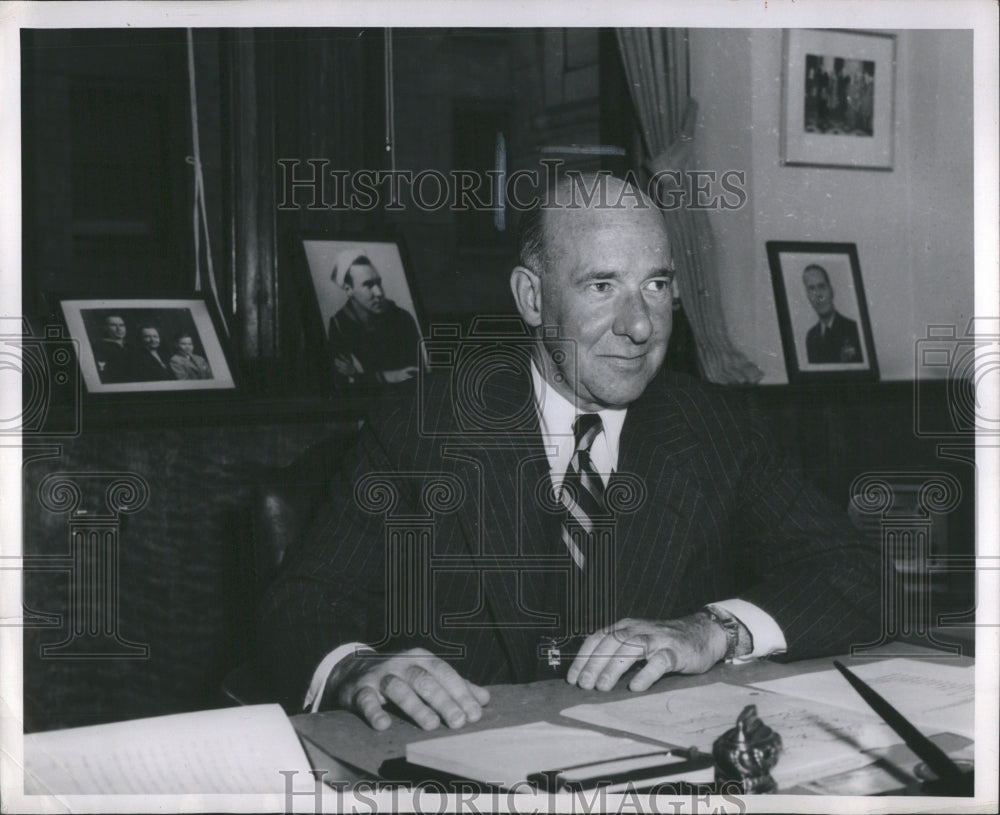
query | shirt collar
[556, 415]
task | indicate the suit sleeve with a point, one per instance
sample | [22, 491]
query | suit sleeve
[814, 573]
[330, 590]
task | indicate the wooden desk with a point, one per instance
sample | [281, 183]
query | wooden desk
[357, 751]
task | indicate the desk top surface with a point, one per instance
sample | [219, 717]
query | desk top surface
[345, 737]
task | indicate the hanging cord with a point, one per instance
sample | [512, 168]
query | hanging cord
[200, 216]
[390, 112]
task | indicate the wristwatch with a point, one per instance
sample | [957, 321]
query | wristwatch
[739, 641]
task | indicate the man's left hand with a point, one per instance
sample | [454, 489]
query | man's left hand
[689, 645]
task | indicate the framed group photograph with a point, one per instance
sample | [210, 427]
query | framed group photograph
[822, 312]
[838, 98]
[148, 345]
[365, 317]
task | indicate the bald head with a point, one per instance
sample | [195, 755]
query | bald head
[581, 197]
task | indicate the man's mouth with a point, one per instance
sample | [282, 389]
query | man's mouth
[628, 361]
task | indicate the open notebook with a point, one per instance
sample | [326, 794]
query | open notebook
[232, 750]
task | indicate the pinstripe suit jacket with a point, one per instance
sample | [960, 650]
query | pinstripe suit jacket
[444, 492]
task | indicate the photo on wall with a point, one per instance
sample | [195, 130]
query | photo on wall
[838, 99]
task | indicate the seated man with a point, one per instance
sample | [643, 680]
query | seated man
[557, 504]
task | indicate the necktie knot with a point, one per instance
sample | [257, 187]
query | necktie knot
[586, 426]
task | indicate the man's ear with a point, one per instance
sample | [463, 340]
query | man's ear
[527, 289]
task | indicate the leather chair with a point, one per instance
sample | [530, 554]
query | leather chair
[282, 505]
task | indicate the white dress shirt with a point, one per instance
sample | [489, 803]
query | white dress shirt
[556, 415]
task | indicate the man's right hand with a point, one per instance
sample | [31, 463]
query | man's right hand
[398, 375]
[343, 365]
[423, 686]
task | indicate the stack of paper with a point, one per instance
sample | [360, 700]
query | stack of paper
[825, 726]
[506, 756]
[233, 750]
[936, 698]
[815, 736]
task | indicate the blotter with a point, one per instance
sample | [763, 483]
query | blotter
[232, 750]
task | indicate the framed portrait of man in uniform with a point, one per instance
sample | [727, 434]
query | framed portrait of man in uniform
[365, 319]
[822, 312]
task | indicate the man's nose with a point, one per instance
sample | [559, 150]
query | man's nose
[633, 320]
[377, 291]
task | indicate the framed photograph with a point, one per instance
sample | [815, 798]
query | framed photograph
[822, 313]
[364, 312]
[147, 345]
[838, 98]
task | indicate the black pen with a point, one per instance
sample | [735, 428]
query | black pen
[945, 769]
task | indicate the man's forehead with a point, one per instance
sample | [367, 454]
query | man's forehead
[362, 270]
[569, 226]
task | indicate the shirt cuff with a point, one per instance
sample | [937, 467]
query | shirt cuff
[314, 696]
[768, 638]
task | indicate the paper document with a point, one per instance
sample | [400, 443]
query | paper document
[815, 736]
[233, 750]
[935, 698]
[508, 755]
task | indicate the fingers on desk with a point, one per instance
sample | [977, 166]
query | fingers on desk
[367, 702]
[609, 660]
[405, 695]
[461, 699]
[432, 692]
[605, 655]
[659, 663]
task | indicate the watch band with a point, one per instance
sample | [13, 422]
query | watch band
[730, 625]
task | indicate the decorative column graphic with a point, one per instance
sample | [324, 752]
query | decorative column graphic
[903, 504]
[92, 563]
[409, 542]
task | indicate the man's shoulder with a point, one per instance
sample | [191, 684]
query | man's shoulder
[844, 320]
[397, 315]
[703, 406]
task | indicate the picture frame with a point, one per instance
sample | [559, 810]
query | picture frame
[114, 338]
[338, 314]
[838, 98]
[818, 283]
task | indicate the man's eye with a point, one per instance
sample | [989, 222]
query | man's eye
[659, 286]
[600, 286]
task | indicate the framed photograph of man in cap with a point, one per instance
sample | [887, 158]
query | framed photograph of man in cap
[365, 306]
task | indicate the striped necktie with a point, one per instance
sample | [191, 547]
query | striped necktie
[582, 491]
